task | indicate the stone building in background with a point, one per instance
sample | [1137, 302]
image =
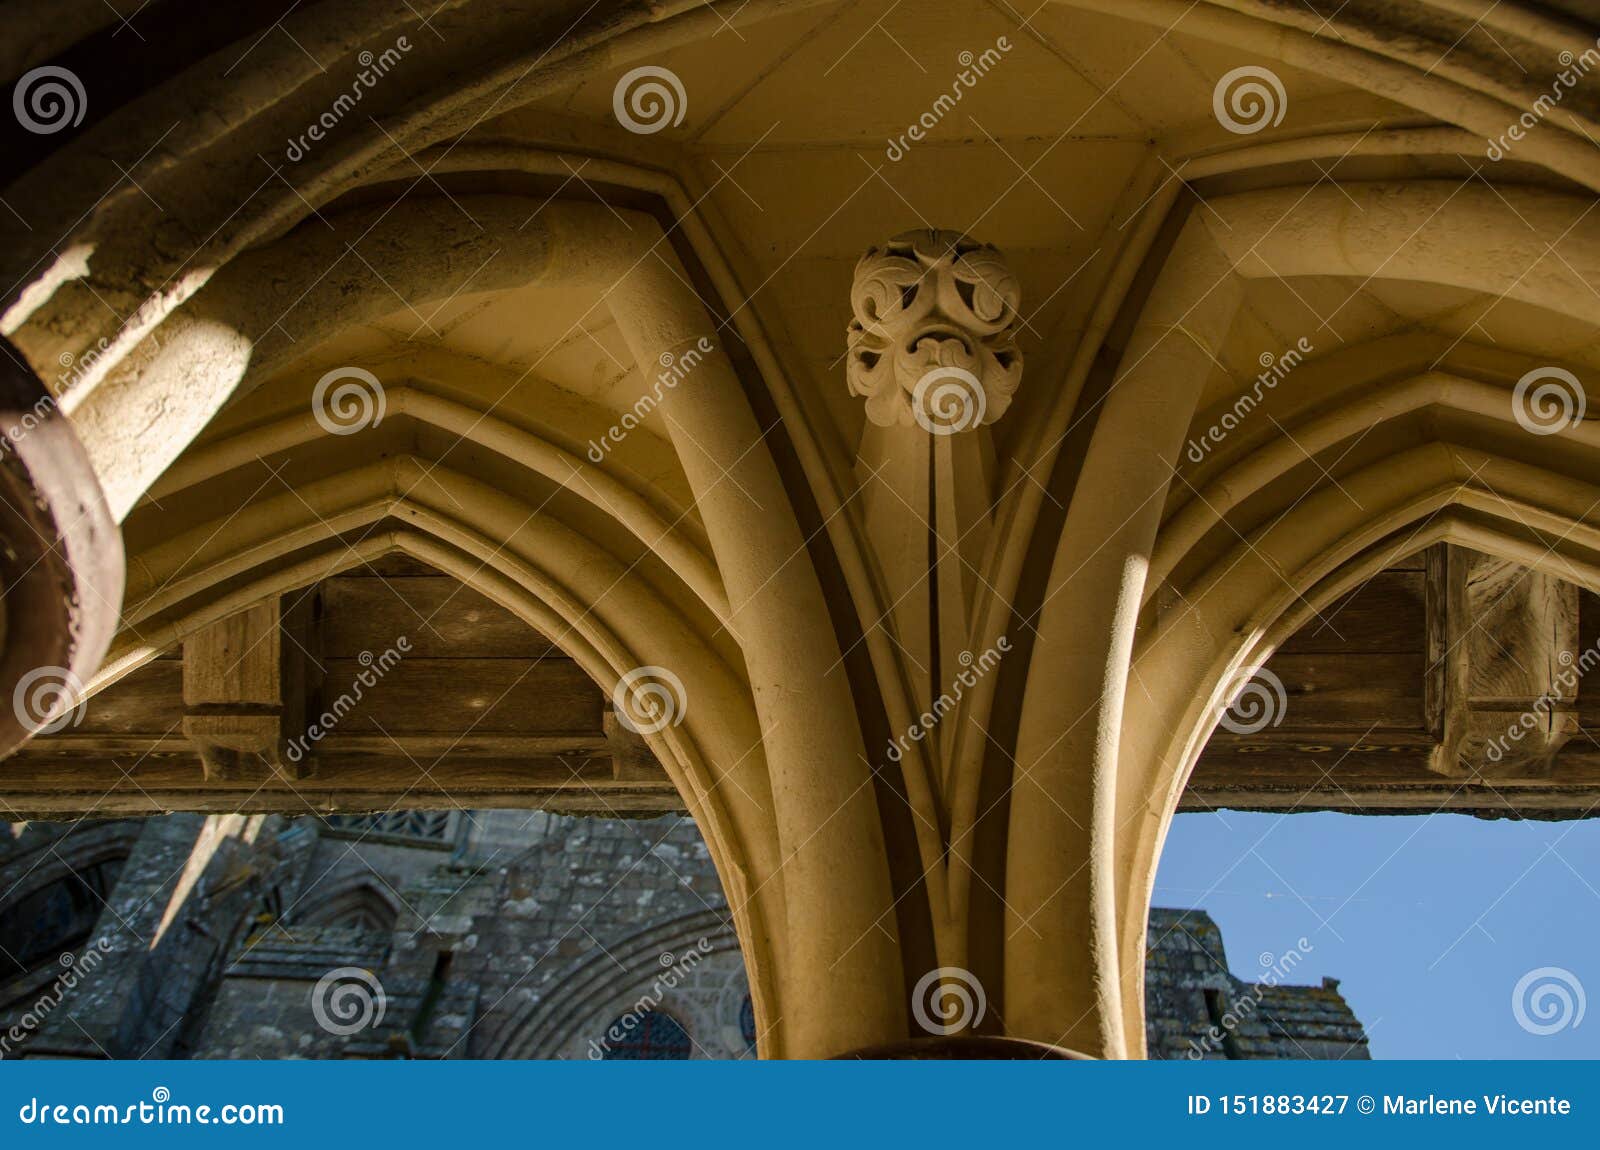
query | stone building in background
[471, 934]
[932, 478]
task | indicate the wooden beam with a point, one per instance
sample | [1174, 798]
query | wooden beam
[1479, 799]
[632, 760]
[342, 785]
[243, 695]
[1502, 688]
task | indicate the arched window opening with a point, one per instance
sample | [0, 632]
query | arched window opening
[1354, 936]
[747, 1023]
[413, 828]
[1372, 826]
[363, 907]
[55, 919]
[651, 1034]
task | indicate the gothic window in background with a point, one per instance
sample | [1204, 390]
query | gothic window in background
[653, 1035]
[414, 828]
[747, 1023]
[55, 919]
[360, 907]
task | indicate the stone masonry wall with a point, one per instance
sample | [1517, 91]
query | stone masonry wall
[509, 934]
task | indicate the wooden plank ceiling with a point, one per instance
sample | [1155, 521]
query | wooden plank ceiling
[483, 711]
[477, 710]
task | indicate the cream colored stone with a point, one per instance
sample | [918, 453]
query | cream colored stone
[808, 565]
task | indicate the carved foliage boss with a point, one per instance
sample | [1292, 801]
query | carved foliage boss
[932, 341]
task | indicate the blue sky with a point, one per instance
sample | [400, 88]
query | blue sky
[1428, 921]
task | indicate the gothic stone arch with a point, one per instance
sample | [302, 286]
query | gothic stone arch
[950, 498]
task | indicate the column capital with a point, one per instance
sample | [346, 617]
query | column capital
[932, 341]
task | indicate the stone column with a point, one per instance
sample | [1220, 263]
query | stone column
[1064, 978]
[846, 988]
[61, 563]
[932, 349]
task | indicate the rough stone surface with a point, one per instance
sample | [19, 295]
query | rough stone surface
[507, 934]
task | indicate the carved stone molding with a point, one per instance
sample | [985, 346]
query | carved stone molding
[932, 341]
